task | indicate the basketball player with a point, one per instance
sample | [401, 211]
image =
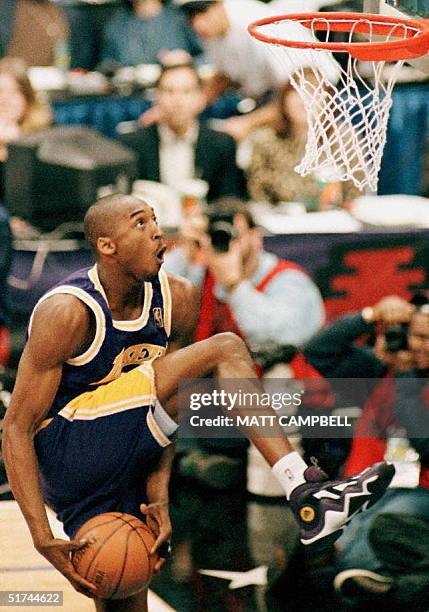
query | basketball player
[87, 425]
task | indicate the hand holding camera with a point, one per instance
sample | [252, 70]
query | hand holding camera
[395, 313]
[193, 237]
[227, 268]
[393, 310]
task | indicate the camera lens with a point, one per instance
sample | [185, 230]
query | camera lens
[396, 338]
[221, 233]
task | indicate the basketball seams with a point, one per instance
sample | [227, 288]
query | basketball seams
[141, 538]
[101, 546]
[124, 562]
[151, 566]
[115, 579]
[78, 554]
[111, 520]
[136, 528]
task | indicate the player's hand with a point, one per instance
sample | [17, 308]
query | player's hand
[393, 310]
[158, 520]
[58, 552]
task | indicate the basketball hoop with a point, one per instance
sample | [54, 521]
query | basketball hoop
[347, 120]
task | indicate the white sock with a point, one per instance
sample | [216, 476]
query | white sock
[289, 471]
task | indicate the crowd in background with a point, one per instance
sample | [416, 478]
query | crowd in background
[272, 303]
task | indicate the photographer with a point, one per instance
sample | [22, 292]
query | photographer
[412, 388]
[338, 354]
[335, 353]
[394, 425]
[268, 301]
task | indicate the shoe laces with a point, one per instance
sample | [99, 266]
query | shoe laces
[315, 463]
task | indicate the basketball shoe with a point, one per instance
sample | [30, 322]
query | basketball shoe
[324, 507]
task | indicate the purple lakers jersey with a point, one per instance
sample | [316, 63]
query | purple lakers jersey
[117, 346]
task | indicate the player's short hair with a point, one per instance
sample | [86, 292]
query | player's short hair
[101, 218]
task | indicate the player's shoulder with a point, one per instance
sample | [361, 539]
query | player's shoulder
[60, 311]
[181, 287]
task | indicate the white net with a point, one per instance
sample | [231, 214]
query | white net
[347, 119]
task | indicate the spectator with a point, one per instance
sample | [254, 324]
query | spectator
[277, 149]
[335, 355]
[399, 410]
[87, 21]
[268, 301]
[142, 30]
[239, 59]
[34, 30]
[180, 147]
[5, 263]
[20, 111]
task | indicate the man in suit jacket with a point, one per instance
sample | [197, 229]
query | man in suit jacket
[180, 146]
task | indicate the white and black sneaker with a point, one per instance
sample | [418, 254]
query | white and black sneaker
[323, 507]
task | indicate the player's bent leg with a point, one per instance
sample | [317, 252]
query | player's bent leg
[136, 603]
[322, 507]
[226, 355]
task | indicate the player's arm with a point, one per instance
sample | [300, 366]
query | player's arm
[185, 299]
[61, 329]
[185, 311]
[158, 517]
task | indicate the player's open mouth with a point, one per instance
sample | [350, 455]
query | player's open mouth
[160, 253]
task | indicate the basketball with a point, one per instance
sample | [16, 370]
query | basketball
[116, 559]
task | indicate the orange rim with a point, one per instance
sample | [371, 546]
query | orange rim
[414, 44]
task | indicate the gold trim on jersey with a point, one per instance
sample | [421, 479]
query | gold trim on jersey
[133, 389]
[100, 327]
[133, 355]
[43, 425]
[166, 300]
[134, 324]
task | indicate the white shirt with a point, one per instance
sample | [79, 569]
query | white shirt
[176, 155]
[257, 66]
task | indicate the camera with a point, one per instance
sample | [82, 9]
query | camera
[221, 231]
[396, 337]
[272, 354]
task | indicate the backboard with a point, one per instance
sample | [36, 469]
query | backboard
[402, 8]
